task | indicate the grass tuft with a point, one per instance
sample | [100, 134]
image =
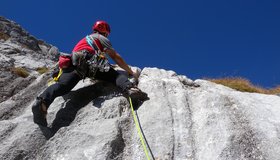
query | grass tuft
[20, 72]
[4, 36]
[42, 70]
[244, 85]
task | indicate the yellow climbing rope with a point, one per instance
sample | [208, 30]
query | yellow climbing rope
[55, 79]
[139, 130]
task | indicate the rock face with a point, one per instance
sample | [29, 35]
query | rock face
[18, 49]
[179, 121]
[183, 119]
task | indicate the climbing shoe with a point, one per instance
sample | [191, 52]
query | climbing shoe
[137, 96]
[39, 110]
[47, 132]
[136, 93]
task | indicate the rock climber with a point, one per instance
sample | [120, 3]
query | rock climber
[88, 59]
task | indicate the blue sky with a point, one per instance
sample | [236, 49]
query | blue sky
[200, 38]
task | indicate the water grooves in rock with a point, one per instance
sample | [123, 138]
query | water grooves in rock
[191, 152]
[244, 143]
[183, 140]
[170, 106]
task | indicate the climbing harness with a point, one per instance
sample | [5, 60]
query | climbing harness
[140, 133]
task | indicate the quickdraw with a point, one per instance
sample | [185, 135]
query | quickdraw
[98, 62]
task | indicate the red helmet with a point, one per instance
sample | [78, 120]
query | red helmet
[101, 27]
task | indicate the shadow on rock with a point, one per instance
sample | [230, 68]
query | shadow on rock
[137, 103]
[137, 97]
[75, 101]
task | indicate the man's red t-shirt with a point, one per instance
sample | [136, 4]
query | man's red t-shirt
[83, 44]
